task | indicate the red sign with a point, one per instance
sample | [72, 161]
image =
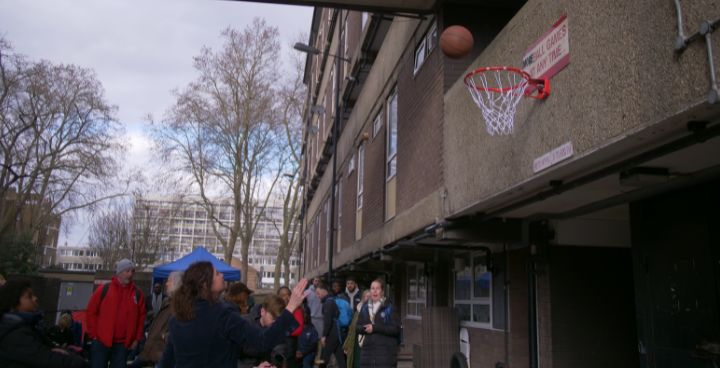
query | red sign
[551, 53]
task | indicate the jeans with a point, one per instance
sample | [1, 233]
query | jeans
[100, 355]
[308, 361]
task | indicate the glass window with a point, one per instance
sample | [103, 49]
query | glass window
[392, 136]
[417, 290]
[420, 53]
[377, 125]
[361, 175]
[473, 291]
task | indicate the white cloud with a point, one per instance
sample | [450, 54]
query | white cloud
[140, 50]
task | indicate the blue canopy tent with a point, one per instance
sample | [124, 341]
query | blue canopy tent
[197, 255]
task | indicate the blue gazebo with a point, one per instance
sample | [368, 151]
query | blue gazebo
[198, 254]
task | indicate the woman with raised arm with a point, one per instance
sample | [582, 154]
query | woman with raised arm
[207, 333]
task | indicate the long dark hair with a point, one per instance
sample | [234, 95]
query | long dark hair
[196, 284]
[10, 294]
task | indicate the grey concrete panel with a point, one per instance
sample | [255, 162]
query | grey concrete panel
[623, 80]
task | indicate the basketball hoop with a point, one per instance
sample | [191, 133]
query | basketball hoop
[497, 90]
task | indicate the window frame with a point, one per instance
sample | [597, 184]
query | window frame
[425, 47]
[391, 157]
[473, 300]
[377, 124]
[359, 199]
[419, 269]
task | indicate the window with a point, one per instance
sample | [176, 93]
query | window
[473, 291]
[328, 228]
[364, 19]
[420, 53]
[426, 45]
[417, 290]
[391, 150]
[338, 201]
[377, 125]
[361, 175]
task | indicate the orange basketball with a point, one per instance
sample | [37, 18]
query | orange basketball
[456, 42]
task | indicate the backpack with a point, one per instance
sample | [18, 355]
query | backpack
[345, 312]
[106, 286]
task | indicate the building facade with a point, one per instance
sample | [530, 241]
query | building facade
[185, 224]
[588, 237]
[78, 259]
[33, 218]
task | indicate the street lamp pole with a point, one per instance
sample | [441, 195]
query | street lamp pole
[335, 132]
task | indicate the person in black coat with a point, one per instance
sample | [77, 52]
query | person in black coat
[207, 333]
[331, 337]
[378, 323]
[21, 344]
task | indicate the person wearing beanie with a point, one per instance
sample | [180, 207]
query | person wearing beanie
[115, 317]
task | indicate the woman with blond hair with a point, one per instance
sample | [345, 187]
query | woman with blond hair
[207, 333]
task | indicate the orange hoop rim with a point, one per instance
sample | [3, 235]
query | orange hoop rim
[541, 85]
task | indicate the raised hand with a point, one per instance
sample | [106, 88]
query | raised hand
[297, 296]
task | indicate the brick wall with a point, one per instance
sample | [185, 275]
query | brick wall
[420, 115]
[373, 213]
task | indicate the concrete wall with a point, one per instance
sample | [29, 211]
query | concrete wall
[623, 84]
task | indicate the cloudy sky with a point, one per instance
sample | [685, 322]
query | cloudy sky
[140, 49]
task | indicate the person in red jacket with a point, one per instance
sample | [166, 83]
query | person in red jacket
[115, 318]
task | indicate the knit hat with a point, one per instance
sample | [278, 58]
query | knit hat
[123, 265]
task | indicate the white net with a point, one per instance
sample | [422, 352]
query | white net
[497, 93]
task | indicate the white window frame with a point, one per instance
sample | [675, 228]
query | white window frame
[377, 125]
[419, 269]
[391, 155]
[420, 55]
[425, 47]
[360, 176]
[338, 202]
[328, 226]
[473, 301]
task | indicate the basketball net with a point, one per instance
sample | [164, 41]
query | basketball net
[497, 92]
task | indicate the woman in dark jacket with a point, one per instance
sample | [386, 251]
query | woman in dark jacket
[21, 344]
[207, 333]
[379, 325]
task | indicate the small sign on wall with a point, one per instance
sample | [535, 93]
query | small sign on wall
[549, 54]
[551, 158]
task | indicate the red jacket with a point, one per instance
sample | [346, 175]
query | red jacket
[298, 314]
[101, 315]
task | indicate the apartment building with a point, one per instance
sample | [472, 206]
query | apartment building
[33, 218]
[588, 237]
[83, 259]
[183, 224]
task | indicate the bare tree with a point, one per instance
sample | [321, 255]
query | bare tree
[151, 225]
[223, 128]
[57, 142]
[110, 235]
[288, 189]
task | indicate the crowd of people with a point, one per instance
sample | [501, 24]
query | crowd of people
[199, 321]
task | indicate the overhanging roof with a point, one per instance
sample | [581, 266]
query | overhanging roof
[375, 6]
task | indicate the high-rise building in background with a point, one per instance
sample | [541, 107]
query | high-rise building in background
[183, 224]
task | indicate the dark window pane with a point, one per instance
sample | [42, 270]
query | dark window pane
[483, 278]
[463, 283]
[463, 311]
[481, 313]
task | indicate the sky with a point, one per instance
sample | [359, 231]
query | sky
[140, 50]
